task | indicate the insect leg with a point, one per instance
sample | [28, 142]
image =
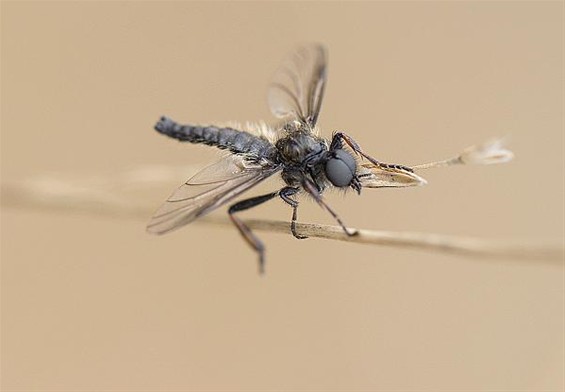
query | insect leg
[340, 137]
[311, 189]
[285, 194]
[245, 231]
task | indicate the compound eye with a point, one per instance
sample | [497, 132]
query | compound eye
[340, 168]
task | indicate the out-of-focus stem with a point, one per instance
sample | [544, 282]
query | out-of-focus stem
[102, 196]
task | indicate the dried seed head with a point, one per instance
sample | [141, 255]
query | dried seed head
[488, 153]
[372, 176]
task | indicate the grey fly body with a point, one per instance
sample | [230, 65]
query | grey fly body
[294, 149]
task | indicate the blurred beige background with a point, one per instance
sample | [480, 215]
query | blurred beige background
[93, 303]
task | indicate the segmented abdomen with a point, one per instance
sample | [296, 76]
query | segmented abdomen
[239, 142]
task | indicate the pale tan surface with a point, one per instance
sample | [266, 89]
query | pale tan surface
[92, 303]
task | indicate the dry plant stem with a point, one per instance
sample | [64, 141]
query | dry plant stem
[444, 163]
[46, 194]
[463, 246]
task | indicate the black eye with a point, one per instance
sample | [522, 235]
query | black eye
[340, 168]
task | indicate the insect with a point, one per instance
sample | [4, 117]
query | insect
[307, 163]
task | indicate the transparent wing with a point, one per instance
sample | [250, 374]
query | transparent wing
[207, 190]
[297, 89]
[373, 176]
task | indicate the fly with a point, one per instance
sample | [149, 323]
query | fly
[307, 163]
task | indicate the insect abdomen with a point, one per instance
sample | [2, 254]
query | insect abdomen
[238, 142]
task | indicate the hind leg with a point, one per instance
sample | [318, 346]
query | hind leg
[245, 231]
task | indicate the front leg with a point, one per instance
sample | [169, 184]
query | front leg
[340, 137]
[311, 189]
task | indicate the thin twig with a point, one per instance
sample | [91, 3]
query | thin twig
[105, 196]
[465, 246]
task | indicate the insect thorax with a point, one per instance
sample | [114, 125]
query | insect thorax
[300, 153]
[298, 147]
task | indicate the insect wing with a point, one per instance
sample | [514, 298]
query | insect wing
[373, 176]
[298, 86]
[207, 190]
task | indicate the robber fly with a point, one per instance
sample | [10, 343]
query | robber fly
[294, 148]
